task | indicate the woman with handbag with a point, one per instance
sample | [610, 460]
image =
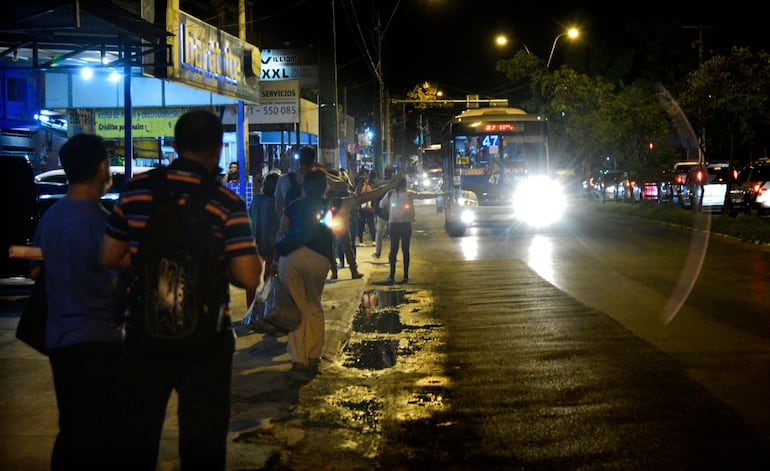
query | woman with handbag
[306, 249]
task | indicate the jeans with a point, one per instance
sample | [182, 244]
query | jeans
[202, 381]
[85, 377]
[400, 234]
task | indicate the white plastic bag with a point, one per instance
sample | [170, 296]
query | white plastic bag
[281, 312]
[254, 317]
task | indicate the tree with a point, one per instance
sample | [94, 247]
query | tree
[727, 98]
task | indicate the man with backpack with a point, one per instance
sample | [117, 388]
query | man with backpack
[183, 236]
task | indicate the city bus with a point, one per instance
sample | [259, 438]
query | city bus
[493, 151]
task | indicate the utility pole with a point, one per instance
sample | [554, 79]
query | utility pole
[242, 123]
[699, 42]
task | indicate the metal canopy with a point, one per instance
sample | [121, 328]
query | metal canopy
[60, 34]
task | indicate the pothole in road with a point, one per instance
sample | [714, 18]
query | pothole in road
[378, 313]
[380, 324]
[379, 298]
[384, 321]
[377, 354]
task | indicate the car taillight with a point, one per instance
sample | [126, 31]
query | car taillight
[699, 176]
[680, 179]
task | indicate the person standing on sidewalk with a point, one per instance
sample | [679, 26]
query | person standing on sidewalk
[84, 332]
[292, 178]
[366, 212]
[342, 225]
[304, 269]
[380, 221]
[400, 201]
[200, 376]
[264, 225]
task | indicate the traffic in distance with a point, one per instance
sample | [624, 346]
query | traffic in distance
[714, 187]
[498, 156]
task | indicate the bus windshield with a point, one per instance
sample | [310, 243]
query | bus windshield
[495, 148]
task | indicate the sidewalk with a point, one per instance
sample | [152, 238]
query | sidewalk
[264, 390]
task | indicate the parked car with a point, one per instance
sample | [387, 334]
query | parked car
[706, 189]
[52, 186]
[755, 181]
[615, 185]
[660, 191]
[679, 175]
[18, 211]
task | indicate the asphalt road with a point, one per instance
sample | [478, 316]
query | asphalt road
[490, 358]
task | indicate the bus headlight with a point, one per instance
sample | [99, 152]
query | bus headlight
[467, 216]
[539, 201]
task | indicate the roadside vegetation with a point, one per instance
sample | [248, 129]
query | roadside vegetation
[746, 227]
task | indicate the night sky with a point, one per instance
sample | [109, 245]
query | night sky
[450, 42]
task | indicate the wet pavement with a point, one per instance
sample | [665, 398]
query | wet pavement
[517, 385]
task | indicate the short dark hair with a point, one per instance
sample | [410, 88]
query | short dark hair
[315, 182]
[306, 156]
[198, 131]
[269, 182]
[81, 156]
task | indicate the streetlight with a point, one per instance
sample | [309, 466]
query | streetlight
[502, 40]
[572, 33]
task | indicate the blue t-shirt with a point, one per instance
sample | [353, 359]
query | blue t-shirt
[82, 304]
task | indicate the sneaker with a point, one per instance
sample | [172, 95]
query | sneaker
[356, 275]
[334, 276]
[375, 255]
[389, 281]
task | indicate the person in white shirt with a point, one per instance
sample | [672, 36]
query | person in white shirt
[401, 208]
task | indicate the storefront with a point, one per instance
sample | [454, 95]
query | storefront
[90, 66]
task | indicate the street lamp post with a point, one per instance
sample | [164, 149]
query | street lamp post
[572, 33]
[502, 40]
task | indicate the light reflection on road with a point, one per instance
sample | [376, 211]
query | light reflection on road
[470, 247]
[540, 257]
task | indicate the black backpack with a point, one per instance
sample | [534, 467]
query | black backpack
[178, 289]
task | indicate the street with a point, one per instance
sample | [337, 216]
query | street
[570, 348]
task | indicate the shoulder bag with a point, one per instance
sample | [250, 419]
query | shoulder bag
[33, 319]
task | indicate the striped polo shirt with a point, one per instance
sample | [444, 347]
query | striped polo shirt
[229, 215]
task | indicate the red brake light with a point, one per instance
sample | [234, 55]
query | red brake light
[699, 176]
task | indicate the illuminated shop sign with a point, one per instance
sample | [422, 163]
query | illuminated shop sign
[208, 53]
[211, 59]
